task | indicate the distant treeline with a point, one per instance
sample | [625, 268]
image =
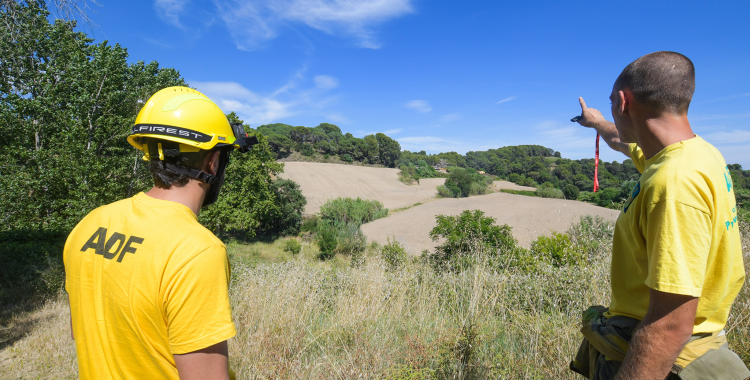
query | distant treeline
[327, 139]
[534, 165]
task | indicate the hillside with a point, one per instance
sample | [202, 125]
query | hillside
[320, 182]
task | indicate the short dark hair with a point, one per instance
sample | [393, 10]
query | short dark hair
[166, 179]
[663, 81]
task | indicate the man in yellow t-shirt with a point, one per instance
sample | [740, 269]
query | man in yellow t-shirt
[148, 285]
[676, 256]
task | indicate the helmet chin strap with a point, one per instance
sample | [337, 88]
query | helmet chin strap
[202, 176]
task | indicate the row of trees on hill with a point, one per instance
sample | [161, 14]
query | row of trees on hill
[537, 166]
[328, 139]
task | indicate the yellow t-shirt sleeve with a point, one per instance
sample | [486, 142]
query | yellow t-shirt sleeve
[197, 303]
[678, 244]
[637, 155]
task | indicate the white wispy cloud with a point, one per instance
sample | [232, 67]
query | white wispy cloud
[289, 99]
[419, 105]
[505, 100]
[338, 118]
[170, 10]
[449, 117]
[253, 22]
[325, 82]
[736, 136]
[435, 144]
[393, 131]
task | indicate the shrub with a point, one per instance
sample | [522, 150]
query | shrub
[326, 156]
[455, 190]
[608, 196]
[461, 179]
[466, 235]
[349, 239]
[346, 158]
[570, 192]
[444, 191]
[549, 192]
[326, 240]
[477, 189]
[310, 224]
[394, 254]
[352, 211]
[307, 150]
[557, 249]
[293, 246]
[30, 262]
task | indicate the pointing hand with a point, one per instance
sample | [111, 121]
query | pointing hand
[590, 117]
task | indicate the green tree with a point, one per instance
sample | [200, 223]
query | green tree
[389, 150]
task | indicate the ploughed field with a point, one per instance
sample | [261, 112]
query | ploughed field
[529, 216]
[321, 182]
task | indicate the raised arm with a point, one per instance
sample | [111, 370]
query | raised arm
[592, 118]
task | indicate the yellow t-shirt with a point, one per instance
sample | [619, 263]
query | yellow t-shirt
[145, 281]
[678, 233]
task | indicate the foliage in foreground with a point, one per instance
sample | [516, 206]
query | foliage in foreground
[312, 320]
[66, 107]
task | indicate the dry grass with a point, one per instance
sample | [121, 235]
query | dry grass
[300, 319]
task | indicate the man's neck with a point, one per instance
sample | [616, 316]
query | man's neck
[190, 195]
[657, 133]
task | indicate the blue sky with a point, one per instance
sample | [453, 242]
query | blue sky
[441, 75]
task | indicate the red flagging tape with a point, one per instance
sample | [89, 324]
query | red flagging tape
[596, 165]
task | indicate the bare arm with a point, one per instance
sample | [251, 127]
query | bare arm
[665, 329]
[209, 363]
[592, 118]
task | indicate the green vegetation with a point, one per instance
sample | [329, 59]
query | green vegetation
[465, 235]
[377, 149]
[337, 229]
[412, 171]
[66, 107]
[463, 182]
[352, 211]
[375, 320]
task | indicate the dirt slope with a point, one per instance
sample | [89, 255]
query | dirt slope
[497, 185]
[320, 182]
[529, 217]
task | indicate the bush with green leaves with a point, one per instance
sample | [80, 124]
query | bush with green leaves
[394, 254]
[326, 240]
[346, 158]
[444, 191]
[557, 250]
[468, 234]
[292, 246]
[570, 192]
[352, 211]
[549, 192]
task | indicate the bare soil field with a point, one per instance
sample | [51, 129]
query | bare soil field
[497, 185]
[320, 182]
[529, 217]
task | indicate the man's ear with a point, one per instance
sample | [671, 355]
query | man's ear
[211, 165]
[625, 100]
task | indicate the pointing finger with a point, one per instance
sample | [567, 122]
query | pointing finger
[583, 103]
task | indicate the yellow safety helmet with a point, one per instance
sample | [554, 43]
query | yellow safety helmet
[187, 117]
[176, 124]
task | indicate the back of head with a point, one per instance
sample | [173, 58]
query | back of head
[661, 82]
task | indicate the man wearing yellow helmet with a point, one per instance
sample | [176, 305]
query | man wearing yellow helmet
[148, 285]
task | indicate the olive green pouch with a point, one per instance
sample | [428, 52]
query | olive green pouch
[721, 364]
